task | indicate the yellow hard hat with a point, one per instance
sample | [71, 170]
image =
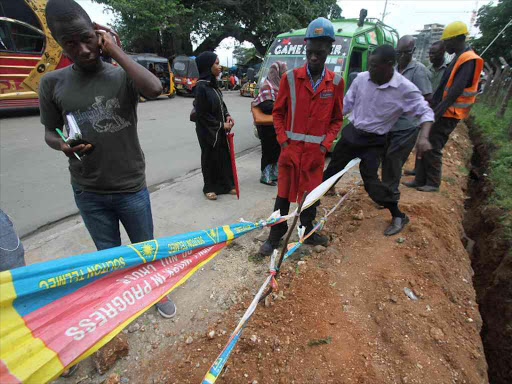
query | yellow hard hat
[454, 29]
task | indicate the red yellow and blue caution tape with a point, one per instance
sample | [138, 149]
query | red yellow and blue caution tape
[56, 313]
[216, 369]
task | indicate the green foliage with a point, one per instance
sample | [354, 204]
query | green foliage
[491, 19]
[146, 25]
[495, 132]
[170, 26]
[315, 342]
[449, 179]
[243, 55]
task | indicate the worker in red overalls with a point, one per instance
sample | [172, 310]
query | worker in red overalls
[307, 117]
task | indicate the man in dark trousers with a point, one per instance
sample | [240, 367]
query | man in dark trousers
[437, 67]
[377, 99]
[402, 137]
[307, 117]
[451, 102]
[108, 181]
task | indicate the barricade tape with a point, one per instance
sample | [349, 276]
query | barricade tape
[56, 313]
[217, 367]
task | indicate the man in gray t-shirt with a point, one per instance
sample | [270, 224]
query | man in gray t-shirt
[107, 164]
[401, 139]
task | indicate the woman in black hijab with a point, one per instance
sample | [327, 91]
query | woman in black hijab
[212, 123]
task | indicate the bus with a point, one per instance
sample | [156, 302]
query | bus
[354, 40]
[27, 52]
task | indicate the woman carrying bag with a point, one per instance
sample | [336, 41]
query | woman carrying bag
[212, 123]
[270, 148]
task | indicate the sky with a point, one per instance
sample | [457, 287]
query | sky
[407, 16]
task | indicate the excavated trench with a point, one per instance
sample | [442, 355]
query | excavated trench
[491, 256]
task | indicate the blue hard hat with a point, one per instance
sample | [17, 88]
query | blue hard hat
[320, 28]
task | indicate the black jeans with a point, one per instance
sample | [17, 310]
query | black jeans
[279, 230]
[370, 148]
[428, 169]
[270, 148]
[399, 145]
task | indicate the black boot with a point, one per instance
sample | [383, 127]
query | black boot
[317, 239]
[268, 248]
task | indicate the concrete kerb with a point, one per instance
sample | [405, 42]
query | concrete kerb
[178, 206]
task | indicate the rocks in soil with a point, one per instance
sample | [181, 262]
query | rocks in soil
[189, 340]
[437, 334]
[134, 327]
[112, 379]
[359, 216]
[106, 356]
[211, 334]
[319, 248]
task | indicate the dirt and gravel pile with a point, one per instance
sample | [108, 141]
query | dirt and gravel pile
[343, 315]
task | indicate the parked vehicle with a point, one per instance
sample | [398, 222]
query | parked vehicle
[160, 67]
[355, 39]
[249, 84]
[185, 74]
[27, 52]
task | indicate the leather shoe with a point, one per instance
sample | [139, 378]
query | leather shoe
[410, 184]
[317, 239]
[410, 172]
[397, 224]
[267, 248]
[428, 188]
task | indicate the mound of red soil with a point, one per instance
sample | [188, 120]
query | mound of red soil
[342, 315]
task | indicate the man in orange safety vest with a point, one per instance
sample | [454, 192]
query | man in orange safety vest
[451, 103]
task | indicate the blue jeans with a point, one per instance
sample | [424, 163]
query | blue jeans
[102, 212]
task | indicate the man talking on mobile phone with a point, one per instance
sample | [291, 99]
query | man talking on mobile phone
[108, 181]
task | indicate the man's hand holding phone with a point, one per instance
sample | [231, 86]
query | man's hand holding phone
[78, 147]
[106, 42]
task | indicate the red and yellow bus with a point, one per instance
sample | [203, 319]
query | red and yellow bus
[27, 51]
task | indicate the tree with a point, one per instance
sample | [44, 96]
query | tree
[149, 25]
[170, 27]
[243, 55]
[259, 21]
[491, 20]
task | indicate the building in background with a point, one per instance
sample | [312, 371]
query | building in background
[424, 39]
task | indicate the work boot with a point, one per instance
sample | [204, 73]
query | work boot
[410, 172]
[397, 224]
[317, 239]
[411, 184]
[428, 188]
[268, 247]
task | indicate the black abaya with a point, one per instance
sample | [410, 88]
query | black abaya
[211, 113]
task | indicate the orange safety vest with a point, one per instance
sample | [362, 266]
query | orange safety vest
[460, 109]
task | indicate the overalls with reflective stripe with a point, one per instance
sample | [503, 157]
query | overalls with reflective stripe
[306, 119]
[460, 109]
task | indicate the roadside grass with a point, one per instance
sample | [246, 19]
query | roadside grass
[463, 170]
[494, 132]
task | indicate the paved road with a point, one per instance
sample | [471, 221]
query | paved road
[34, 179]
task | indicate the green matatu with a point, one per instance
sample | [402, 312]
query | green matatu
[355, 39]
